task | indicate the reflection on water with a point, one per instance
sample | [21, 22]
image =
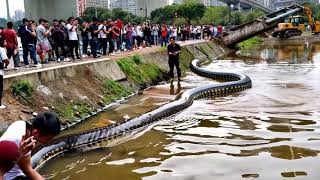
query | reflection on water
[268, 132]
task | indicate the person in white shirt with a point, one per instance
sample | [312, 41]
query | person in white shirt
[102, 36]
[43, 129]
[174, 32]
[4, 60]
[72, 28]
[139, 35]
[199, 29]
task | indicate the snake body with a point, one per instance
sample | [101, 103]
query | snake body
[232, 83]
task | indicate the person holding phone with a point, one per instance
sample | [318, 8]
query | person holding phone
[174, 50]
[42, 129]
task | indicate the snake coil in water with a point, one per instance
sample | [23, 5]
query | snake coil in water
[233, 83]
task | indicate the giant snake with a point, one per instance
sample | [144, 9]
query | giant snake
[232, 83]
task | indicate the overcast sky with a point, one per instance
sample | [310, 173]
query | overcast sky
[14, 5]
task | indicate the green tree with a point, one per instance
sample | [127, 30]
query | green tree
[216, 15]
[238, 18]
[191, 10]
[254, 14]
[165, 14]
[102, 13]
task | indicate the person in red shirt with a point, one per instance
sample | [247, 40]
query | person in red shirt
[11, 44]
[164, 35]
[220, 29]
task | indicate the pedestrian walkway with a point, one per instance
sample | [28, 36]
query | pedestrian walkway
[56, 65]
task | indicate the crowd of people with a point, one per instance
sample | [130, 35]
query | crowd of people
[68, 40]
[62, 40]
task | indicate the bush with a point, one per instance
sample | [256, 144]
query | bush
[22, 89]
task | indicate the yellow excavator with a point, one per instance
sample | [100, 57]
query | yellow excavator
[295, 26]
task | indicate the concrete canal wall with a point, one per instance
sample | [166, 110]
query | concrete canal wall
[76, 90]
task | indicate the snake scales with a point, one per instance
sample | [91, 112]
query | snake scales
[232, 83]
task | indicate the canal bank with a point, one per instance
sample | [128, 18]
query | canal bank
[76, 90]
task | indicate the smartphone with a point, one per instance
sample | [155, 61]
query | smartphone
[28, 127]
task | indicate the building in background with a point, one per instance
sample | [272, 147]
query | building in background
[82, 5]
[267, 3]
[127, 5]
[97, 3]
[51, 9]
[18, 15]
[207, 3]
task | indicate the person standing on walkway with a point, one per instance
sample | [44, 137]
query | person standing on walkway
[109, 28]
[174, 50]
[28, 36]
[94, 30]
[129, 37]
[58, 37]
[85, 38]
[11, 44]
[164, 34]
[102, 36]
[155, 34]
[72, 27]
[3, 62]
[42, 37]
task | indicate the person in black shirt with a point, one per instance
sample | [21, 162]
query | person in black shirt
[173, 51]
[109, 31]
[85, 38]
[147, 34]
[27, 33]
[57, 35]
[94, 30]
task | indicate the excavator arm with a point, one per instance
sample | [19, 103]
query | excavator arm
[245, 31]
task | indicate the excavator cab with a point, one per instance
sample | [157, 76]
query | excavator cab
[297, 22]
[293, 27]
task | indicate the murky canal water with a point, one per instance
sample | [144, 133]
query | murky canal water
[271, 131]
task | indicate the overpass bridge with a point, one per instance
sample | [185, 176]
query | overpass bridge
[247, 4]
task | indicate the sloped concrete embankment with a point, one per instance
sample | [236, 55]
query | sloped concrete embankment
[76, 91]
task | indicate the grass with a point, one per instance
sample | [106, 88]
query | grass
[73, 110]
[22, 89]
[113, 90]
[139, 71]
[250, 43]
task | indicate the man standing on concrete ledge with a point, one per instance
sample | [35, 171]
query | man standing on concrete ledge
[174, 50]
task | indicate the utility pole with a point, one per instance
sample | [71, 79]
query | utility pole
[8, 11]
[145, 9]
[95, 7]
